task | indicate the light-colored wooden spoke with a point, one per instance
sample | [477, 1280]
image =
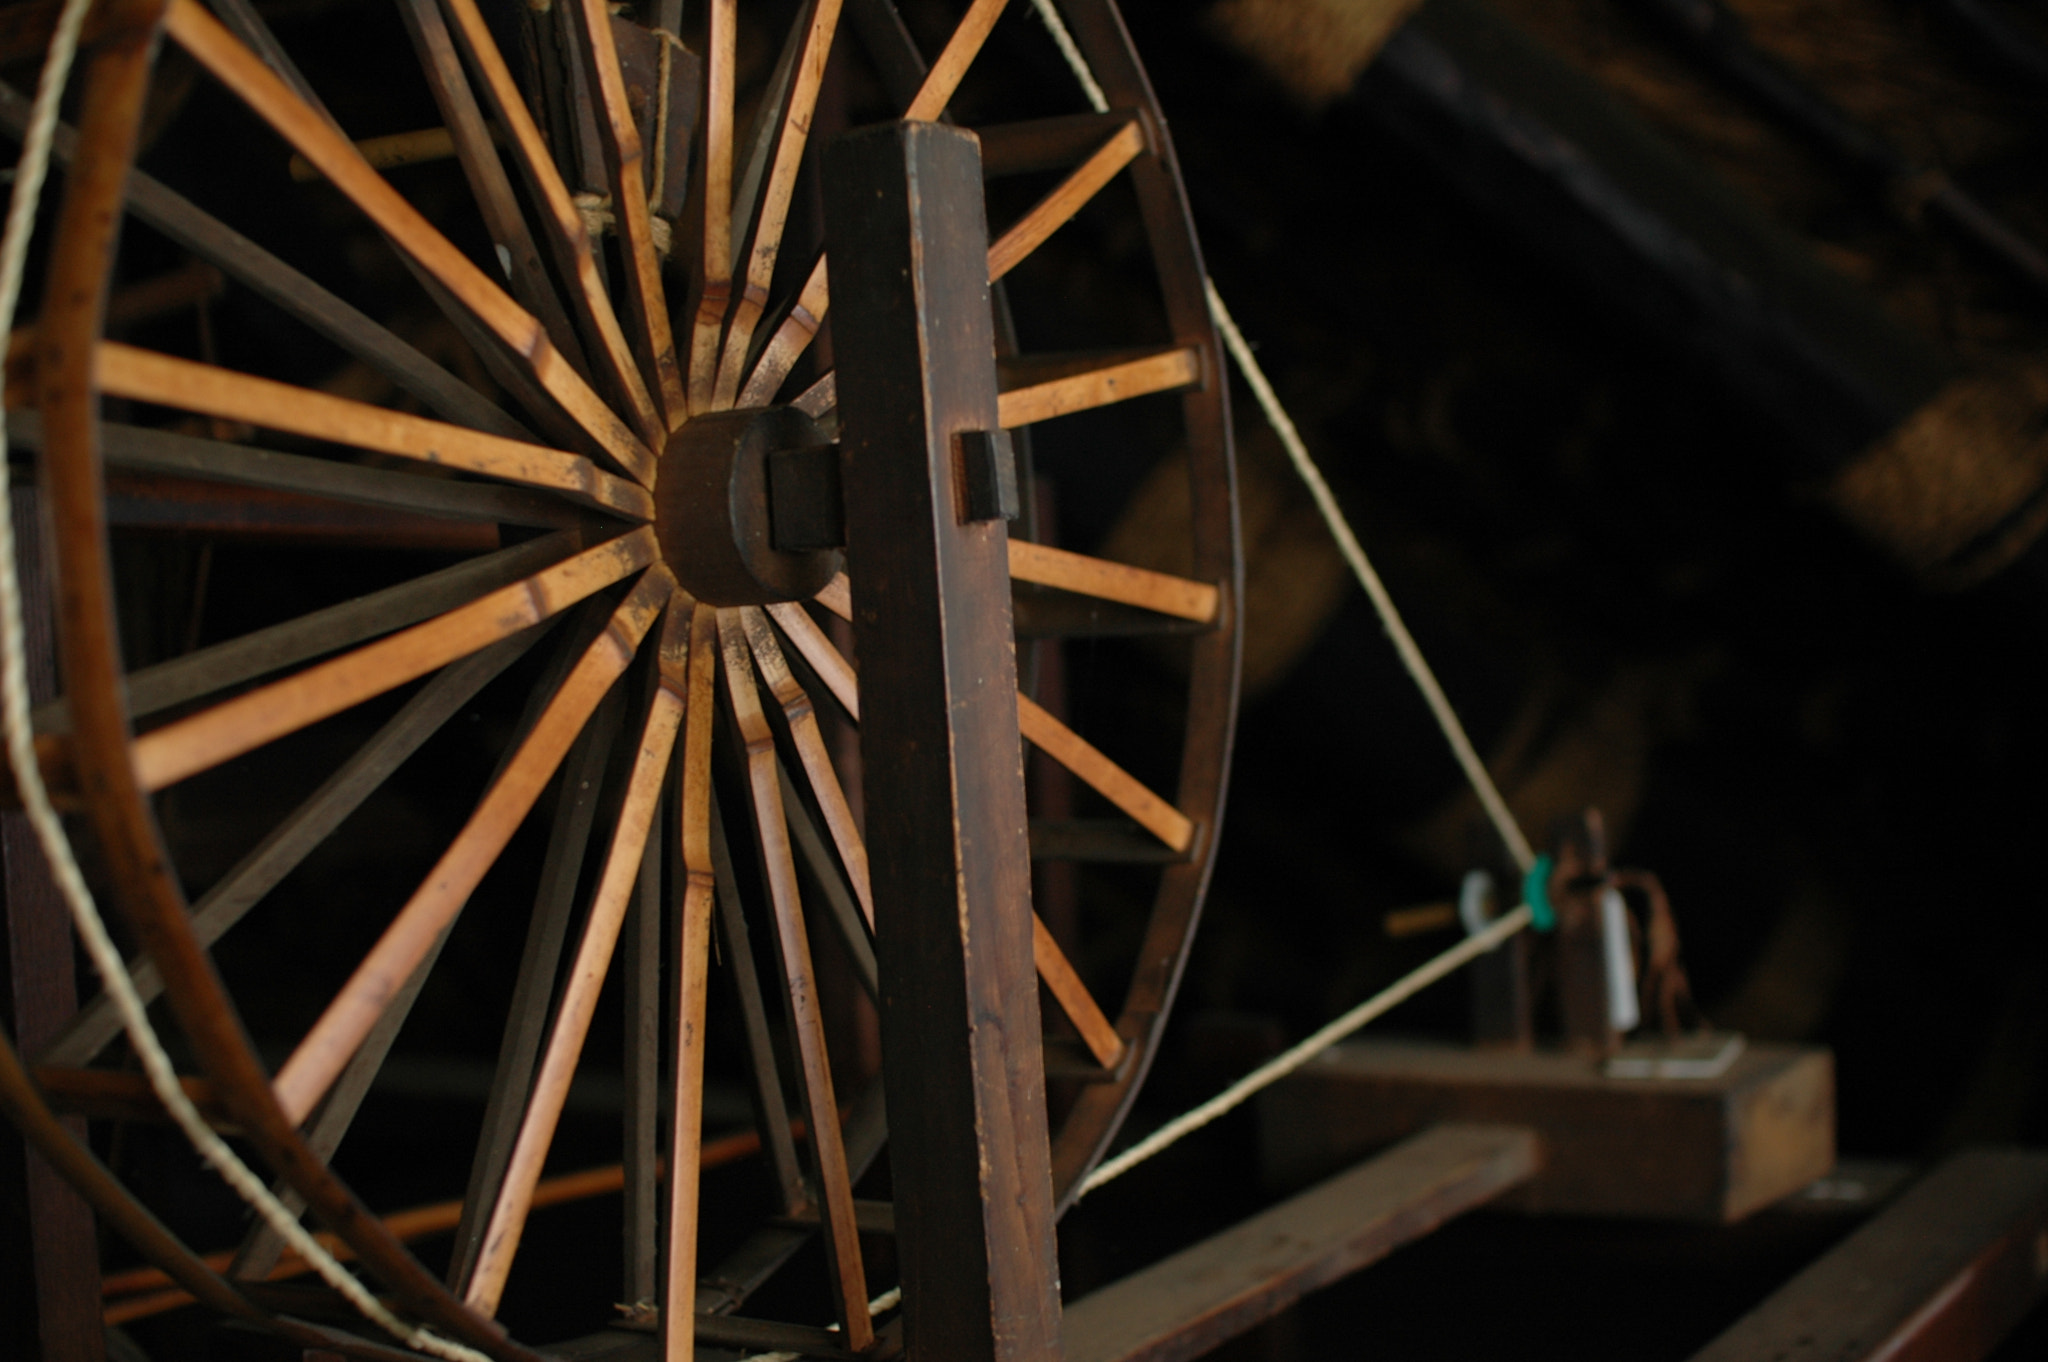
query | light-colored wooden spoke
[326, 1048]
[791, 339]
[714, 292]
[1068, 198]
[291, 841]
[754, 154]
[568, 238]
[271, 278]
[693, 965]
[1105, 580]
[146, 376]
[227, 730]
[837, 597]
[810, 750]
[820, 397]
[468, 138]
[961, 50]
[1104, 776]
[826, 660]
[619, 135]
[242, 71]
[778, 864]
[387, 152]
[1073, 996]
[139, 449]
[1118, 381]
[800, 327]
[234, 661]
[1053, 967]
[579, 785]
[616, 884]
[772, 217]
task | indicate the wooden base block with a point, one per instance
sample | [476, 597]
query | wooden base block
[1673, 1149]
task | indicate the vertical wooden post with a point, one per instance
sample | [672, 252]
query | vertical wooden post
[939, 748]
[43, 991]
[1575, 889]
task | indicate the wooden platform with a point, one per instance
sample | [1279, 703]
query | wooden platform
[1209, 1293]
[1683, 1149]
[1944, 1273]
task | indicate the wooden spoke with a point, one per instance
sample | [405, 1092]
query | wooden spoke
[569, 239]
[270, 278]
[263, 1246]
[1053, 966]
[791, 339]
[764, 137]
[1072, 194]
[324, 631]
[619, 137]
[825, 659]
[1040, 144]
[835, 1183]
[837, 597]
[1101, 578]
[844, 910]
[468, 138]
[321, 143]
[807, 314]
[1109, 780]
[615, 887]
[210, 737]
[578, 792]
[693, 966]
[304, 829]
[146, 376]
[772, 216]
[640, 1107]
[819, 398]
[714, 292]
[1073, 996]
[810, 750]
[770, 1106]
[961, 50]
[139, 449]
[326, 1048]
[1099, 385]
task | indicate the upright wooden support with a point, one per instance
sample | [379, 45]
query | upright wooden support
[943, 769]
[57, 1225]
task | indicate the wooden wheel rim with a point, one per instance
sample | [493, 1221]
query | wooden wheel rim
[103, 749]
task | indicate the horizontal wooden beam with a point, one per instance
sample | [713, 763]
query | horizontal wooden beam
[1944, 1273]
[1710, 1149]
[1205, 1295]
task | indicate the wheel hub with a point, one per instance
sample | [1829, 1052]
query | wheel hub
[747, 507]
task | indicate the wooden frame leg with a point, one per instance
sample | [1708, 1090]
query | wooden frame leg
[943, 767]
[42, 991]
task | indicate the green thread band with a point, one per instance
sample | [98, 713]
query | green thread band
[1536, 892]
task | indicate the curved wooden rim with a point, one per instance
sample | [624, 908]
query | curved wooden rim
[1211, 721]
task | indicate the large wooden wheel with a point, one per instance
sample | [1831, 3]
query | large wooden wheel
[654, 319]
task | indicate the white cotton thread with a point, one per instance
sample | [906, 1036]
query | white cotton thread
[29, 178]
[1075, 61]
[1277, 1068]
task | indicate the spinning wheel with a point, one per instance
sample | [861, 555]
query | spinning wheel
[662, 502]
